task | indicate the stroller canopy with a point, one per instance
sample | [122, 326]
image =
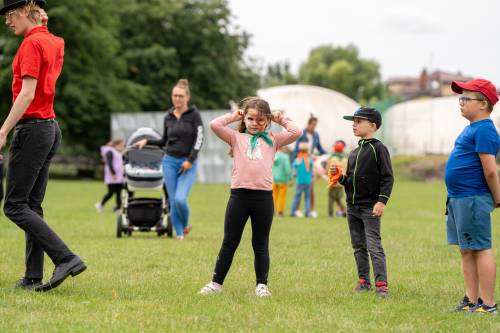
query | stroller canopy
[142, 133]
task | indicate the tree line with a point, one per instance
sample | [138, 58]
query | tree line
[125, 56]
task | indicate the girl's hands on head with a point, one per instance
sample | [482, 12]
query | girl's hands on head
[238, 115]
[277, 117]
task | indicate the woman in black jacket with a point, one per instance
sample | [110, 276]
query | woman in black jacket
[182, 140]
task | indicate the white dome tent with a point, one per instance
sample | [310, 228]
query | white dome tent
[426, 126]
[299, 101]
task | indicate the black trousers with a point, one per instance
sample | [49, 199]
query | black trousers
[115, 189]
[365, 238]
[259, 206]
[31, 151]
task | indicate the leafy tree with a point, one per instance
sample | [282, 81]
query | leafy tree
[191, 39]
[92, 84]
[342, 69]
[125, 56]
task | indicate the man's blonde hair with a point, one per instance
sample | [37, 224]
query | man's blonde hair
[34, 14]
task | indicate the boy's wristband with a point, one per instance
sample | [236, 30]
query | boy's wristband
[383, 199]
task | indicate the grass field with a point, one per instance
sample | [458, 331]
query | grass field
[150, 284]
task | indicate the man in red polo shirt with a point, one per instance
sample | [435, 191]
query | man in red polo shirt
[36, 67]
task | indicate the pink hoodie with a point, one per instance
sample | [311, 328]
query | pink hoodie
[253, 169]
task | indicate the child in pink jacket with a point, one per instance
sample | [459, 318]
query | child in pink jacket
[253, 149]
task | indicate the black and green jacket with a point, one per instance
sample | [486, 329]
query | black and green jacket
[368, 178]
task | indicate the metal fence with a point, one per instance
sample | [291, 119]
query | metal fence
[214, 164]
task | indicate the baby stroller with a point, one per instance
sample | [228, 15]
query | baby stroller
[143, 171]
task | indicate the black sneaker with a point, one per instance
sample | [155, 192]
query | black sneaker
[466, 304]
[29, 284]
[484, 309]
[363, 285]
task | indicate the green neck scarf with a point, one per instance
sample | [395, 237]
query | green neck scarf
[255, 137]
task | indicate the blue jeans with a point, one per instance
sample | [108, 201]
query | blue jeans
[306, 189]
[178, 187]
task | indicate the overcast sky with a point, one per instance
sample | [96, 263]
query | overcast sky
[403, 36]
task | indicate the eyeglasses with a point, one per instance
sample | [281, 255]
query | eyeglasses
[464, 99]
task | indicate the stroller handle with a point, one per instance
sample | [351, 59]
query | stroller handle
[150, 147]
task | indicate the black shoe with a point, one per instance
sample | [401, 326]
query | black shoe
[483, 309]
[73, 267]
[29, 284]
[467, 305]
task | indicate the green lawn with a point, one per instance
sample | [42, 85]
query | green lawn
[150, 284]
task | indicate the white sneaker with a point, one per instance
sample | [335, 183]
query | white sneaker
[262, 290]
[298, 213]
[98, 207]
[313, 214]
[211, 288]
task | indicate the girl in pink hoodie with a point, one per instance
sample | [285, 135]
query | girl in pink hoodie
[253, 149]
[111, 154]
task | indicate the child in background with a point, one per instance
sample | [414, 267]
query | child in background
[473, 187]
[111, 154]
[304, 169]
[336, 192]
[368, 183]
[253, 149]
[282, 175]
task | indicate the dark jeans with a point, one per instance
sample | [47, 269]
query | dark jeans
[31, 151]
[259, 206]
[365, 238]
[115, 189]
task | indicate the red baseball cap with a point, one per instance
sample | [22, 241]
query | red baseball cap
[485, 87]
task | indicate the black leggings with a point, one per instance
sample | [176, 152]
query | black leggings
[259, 206]
[113, 189]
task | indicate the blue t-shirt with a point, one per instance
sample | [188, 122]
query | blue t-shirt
[304, 176]
[464, 175]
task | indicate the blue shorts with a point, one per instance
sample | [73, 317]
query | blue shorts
[468, 223]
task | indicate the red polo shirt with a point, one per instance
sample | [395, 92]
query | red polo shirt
[40, 56]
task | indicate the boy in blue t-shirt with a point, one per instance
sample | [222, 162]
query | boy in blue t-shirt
[303, 166]
[473, 192]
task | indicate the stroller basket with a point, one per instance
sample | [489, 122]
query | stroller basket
[145, 212]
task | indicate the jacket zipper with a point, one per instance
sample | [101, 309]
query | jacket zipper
[355, 168]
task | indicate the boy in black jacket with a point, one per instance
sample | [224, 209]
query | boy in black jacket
[368, 184]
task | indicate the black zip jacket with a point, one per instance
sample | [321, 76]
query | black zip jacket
[368, 178]
[182, 137]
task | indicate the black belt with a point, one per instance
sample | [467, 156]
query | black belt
[35, 120]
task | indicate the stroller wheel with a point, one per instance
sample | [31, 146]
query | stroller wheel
[169, 232]
[119, 226]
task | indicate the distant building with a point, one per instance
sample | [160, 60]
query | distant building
[426, 126]
[436, 84]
